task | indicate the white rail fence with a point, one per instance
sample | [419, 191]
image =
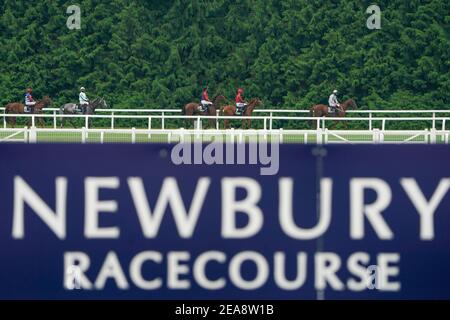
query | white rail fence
[268, 121]
[318, 136]
[267, 115]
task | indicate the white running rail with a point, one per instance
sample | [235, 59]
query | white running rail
[133, 135]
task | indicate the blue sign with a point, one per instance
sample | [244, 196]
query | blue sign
[132, 222]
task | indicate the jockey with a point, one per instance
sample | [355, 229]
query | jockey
[240, 102]
[29, 101]
[84, 101]
[204, 100]
[333, 101]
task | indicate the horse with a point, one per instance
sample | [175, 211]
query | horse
[19, 108]
[321, 110]
[193, 109]
[71, 108]
[230, 110]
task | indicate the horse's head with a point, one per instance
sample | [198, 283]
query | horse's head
[255, 102]
[219, 99]
[103, 103]
[45, 102]
[349, 104]
[353, 104]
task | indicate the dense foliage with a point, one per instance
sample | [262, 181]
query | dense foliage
[291, 53]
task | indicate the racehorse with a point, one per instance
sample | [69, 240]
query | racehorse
[229, 111]
[321, 110]
[193, 109]
[19, 108]
[71, 108]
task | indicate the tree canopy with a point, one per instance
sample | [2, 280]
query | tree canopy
[290, 53]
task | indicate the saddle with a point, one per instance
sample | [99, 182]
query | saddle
[203, 108]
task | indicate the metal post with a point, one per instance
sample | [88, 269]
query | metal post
[4, 119]
[383, 126]
[112, 120]
[133, 135]
[376, 135]
[54, 119]
[25, 135]
[86, 125]
[271, 121]
[32, 135]
[433, 136]
[443, 124]
[102, 137]
[370, 121]
[33, 121]
[319, 136]
[83, 135]
[433, 126]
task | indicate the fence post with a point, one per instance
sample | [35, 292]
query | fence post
[265, 128]
[325, 136]
[383, 125]
[102, 137]
[54, 119]
[83, 135]
[319, 136]
[281, 135]
[4, 119]
[446, 138]
[433, 136]
[443, 124]
[271, 121]
[33, 135]
[112, 120]
[376, 135]
[305, 138]
[133, 135]
[86, 125]
[169, 137]
[370, 121]
[318, 124]
[33, 120]
[25, 135]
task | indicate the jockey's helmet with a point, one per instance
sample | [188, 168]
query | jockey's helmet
[335, 92]
[240, 90]
[82, 89]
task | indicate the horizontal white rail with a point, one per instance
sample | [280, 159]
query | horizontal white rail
[319, 136]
